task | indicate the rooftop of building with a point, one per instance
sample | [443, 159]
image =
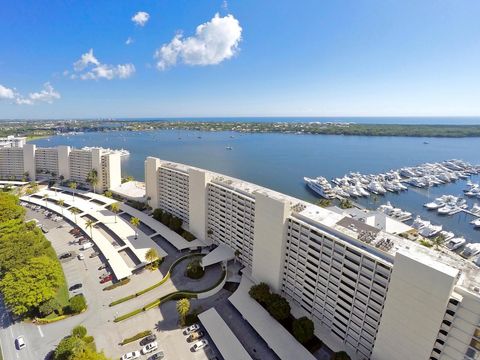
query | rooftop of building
[361, 234]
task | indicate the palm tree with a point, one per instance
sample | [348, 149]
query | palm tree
[92, 178]
[115, 208]
[151, 255]
[45, 197]
[74, 211]
[73, 185]
[135, 223]
[29, 192]
[108, 194]
[438, 240]
[89, 225]
[60, 203]
[183, 307]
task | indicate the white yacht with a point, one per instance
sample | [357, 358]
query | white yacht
[475, 209]
[376, 188]
[455, 243]
[435, 204]
[430, 230]
[476, 223]
[471, 250]
[319, 187]
[447, 235]
[418, 223]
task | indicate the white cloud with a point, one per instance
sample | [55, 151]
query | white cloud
[48, 94]
[129, 41]
[140, 18]
[213, 42]
[85, 60]
[95, 70]
[6, 93]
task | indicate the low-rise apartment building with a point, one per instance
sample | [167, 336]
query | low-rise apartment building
[377, 295]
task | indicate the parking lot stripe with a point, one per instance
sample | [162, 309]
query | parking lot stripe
[40, 331]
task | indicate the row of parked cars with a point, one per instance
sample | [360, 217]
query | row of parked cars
[48, 214]
[149, 345]
[195, 334]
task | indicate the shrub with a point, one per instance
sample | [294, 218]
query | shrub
[77, 304]
[303, 329]
[135, 337]
[260, 293]
[48, 307]
[117, 284]
[157, 214]
[79, 331]
[166, 217]
[175, 224]
[188, 235]
[190, 319]
[278, 307]
[195, 270]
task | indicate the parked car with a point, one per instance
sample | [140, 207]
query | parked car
[94, 254]
[104, 275]
[75, 287]
[82, 241]
[65, 255]
[200, 345]
[44, 229]
[131, 355]
[150, 348]
[197, 335]
[20, 343]
[192, 328]
[86, 246]
[81, 257]
[103, 267]
[106, 279]
[157, 356]
[148, 339]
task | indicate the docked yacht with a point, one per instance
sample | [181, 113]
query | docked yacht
[447, 235]
[376, 188]
[455, 243]
[324, 189]
[435, 204]
[471, 250]
[418, 223]
[476, 223]
[430, 230]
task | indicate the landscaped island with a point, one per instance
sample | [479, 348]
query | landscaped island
[42, 128]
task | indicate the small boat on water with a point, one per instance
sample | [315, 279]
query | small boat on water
[229, 148]
[471, 250]
[455, 243]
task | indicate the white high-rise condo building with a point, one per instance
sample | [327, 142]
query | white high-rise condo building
[12, 142]
[378, 295]
[63, 162]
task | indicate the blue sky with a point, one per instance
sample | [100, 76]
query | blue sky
[255, 58]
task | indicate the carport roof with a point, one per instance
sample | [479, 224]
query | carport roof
[219, 254]
[223, 337]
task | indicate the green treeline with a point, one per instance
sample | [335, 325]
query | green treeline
[30, 273]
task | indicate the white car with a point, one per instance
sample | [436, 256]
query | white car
[192, 328]
[81, 257]
[200, 345]
[20, 342]
[150, 348]
[131, 355]
[86, 246]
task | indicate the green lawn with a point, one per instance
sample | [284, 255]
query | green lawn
[62, 293]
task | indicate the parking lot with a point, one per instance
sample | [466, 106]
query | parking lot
[98, 319]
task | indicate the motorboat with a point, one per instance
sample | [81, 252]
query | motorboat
[455, 243]
[436, 204]
[446, 210]
[476, 223]
[430, 230]
[447, 235]
[376, 188]
[319, 187]
[418, 223]
[471, 250]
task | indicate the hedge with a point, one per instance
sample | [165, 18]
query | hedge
[117, 284]
[140, 335]
[42, 321]
[172, 296]
[165, 278]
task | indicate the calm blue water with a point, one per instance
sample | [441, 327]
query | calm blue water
[280, 161]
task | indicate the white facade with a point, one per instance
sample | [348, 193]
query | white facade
[377, 295]
[12, 142]
[62, 162]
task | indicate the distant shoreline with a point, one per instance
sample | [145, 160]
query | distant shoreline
[36, 129]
